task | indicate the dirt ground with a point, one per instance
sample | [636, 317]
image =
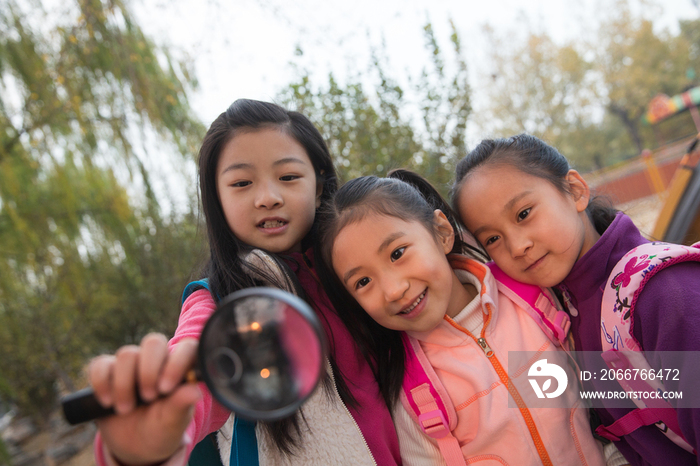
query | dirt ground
[84, 458]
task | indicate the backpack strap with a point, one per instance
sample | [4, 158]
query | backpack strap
[194, 286]
[540, 303]
[626, 282]
[205, 453]
[621, 350]
[244, 447]
[425, 399]
[649, 410]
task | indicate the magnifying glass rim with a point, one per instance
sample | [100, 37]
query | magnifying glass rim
[298, 304]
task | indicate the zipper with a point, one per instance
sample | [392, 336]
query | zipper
[357, 426]
[568, 302]
[503, 376]
[485, 346]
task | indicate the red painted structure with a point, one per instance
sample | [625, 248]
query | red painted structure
[631, 180]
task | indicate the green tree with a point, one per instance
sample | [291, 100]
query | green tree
[587, 97]
[373, 129]
[547, 90]
[636, 63]
[688, 45]
[88, 258]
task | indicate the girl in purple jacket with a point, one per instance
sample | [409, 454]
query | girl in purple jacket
[536, 218]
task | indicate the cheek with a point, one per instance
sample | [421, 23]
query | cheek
[307, 205]
[504, 261]
[436, 270]
[568, 233]
[233, 213]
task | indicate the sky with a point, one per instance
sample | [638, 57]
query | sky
[244, 48]
[248, 48]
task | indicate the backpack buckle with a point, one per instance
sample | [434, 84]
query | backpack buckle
[563, 324]
[434, 424]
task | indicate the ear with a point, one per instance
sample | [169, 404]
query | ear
[579, 190]
[446, 234]
[319, 189]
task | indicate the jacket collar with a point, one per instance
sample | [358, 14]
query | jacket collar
[591, 271]
[445, 334]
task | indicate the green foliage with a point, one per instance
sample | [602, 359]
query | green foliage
[559, 91]
[636, 63]
[89, 257]
[88, 261]
[373, 129]
[4, 454]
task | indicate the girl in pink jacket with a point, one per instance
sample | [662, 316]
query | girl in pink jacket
[394, 264]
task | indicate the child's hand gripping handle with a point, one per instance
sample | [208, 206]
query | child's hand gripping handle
[82, 406]
[261, 355]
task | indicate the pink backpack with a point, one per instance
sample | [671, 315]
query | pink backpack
[622, 351]
[424, 396]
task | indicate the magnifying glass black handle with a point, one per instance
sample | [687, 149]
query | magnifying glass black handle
[82, 406]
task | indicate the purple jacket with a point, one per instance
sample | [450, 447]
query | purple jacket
[666, 318]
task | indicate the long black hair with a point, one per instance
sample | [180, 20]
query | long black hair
[534, 157]
[404, 195]
[226, 270]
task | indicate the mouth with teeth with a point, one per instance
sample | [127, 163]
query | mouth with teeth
[414, 304]
[271, 224]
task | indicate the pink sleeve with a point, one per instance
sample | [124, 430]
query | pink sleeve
[209, 415]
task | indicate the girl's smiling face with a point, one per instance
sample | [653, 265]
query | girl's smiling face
[531, 229]
[268, 190]
[398, 271]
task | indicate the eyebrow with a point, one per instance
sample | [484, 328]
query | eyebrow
[509, 205]
[349, 274]
[389, 239]
[245, 165]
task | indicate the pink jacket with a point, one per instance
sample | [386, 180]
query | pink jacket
[492, 428]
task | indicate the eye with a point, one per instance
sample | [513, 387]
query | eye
[240, 184]
[524, 213]
[289, 177]
[397, 253]
[489, 241]
[361, 283]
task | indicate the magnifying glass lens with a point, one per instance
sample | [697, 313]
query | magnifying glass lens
[262, 353]
[225, 367]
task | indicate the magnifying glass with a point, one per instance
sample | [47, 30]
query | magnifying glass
[261, 354]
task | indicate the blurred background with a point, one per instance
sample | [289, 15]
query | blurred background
[103, 105]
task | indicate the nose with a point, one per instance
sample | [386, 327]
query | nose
[268, 196]
[519, 245]
[395, 287]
